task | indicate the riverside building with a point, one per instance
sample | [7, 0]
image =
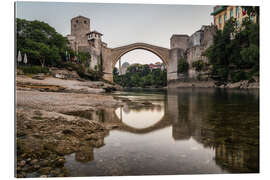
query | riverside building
[223, 13]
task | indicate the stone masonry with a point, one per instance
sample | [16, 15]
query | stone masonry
[194, 47]
[182, 46]
[82, 39]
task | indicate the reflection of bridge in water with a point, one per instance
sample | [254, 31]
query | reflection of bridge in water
[196, 115]
[162, 123]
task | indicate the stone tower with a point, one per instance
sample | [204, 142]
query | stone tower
[80, 26]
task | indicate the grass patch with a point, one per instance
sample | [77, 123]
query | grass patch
[33, 69]
[37, 118]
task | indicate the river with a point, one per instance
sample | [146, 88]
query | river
[186, 131]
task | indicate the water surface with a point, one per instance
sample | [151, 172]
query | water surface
[188, 131]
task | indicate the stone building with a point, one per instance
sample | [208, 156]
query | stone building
[223, 13]
[82, 39]
[191, 48]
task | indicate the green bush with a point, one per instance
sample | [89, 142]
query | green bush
[199, 65]
[239, 76]
[183, 66]
[141, 76]
[33, 69]
[237, 58]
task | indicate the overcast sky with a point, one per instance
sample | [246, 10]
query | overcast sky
[123, 24]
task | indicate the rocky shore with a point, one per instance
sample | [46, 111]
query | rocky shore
[55, 117]
[211, 84]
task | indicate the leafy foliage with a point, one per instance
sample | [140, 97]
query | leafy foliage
[34, 69]
[84, 58]
[183, 66]
[199, 65]
[253, 11]
[42, 44]
[141, 76]
[231, 58]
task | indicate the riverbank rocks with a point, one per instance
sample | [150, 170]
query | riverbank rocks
[47, 138]
[243, 85]
[39, 77]
[64, 74]
[211, 84]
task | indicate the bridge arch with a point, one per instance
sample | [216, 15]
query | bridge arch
[162, 53]
[110, 56]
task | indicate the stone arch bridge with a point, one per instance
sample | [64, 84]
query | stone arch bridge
[110, 57]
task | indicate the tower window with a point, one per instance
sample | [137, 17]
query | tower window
[85, 22]
[77, 21]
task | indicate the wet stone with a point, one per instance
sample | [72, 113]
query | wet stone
[22, 163]
[45, 170]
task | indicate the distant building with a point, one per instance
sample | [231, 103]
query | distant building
[125, 65]
[223, 13]
[157, 65]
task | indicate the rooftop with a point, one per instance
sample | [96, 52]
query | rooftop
[179, 35]
[79, 17]
[95, 32]
[218, 9]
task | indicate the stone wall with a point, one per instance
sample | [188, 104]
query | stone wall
[196, 39]
[179, 41]
[95, 52]
[174, 55]
[194, 47]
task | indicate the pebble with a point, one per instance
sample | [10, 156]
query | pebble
[22, 163]
[36, 166]
[34, 161]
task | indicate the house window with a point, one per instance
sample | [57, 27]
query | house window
[231, 13]
[237, 12]
[251, 18]
[219, 20]
[225, 17]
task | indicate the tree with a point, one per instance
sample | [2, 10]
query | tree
[253, 11]
[115, 71]
[141, 76]
[234, 58]
[42, 44]
[183, 66]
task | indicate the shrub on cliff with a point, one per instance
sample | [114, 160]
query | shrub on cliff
[199, 65]
[183, 66]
